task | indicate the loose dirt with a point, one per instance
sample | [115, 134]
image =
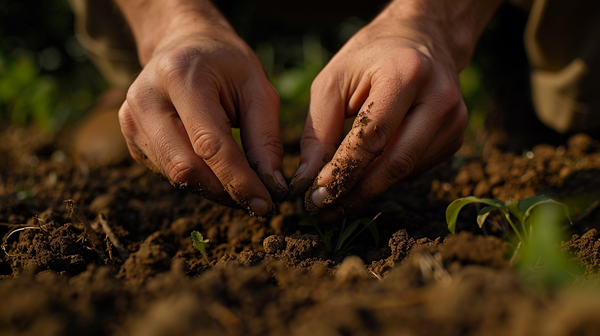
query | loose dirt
[271, 276]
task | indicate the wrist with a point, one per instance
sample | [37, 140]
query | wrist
[153, 21]
[454, 25]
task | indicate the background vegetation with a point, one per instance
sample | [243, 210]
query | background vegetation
[46, 78]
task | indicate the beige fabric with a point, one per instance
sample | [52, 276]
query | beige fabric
[102, 31]
[562, 39]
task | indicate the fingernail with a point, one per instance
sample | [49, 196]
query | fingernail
[319, 196]
[280, 178]
[258, 206]
[300, 170]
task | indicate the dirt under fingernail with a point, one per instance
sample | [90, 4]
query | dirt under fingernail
[280, 178]
[279, 191]
[258, 206]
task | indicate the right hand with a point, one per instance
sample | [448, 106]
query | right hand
[177, 118]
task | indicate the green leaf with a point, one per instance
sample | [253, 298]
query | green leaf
[197, 237]
[526, 205]
[541, 259]
[198, 241]
[513, 207]
[455, 207]
[327, 239]
[484, 213]
[346, 233]
[374, 232]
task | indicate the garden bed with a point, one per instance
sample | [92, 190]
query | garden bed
[273, 276]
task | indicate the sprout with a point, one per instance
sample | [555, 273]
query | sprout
[347, 234]
[199, 242]
[520, 211]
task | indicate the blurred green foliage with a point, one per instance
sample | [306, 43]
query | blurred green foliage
[46, 78]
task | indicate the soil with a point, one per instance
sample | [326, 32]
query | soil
[272, 276]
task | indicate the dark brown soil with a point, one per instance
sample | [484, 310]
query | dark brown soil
[272, 276]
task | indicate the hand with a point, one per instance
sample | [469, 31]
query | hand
[398, 76]
[196, 84]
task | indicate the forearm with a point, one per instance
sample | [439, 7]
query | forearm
[457, 24]
[151, 20]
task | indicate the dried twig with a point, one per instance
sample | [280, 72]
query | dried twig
[432, 268]
[123, 252]
[377, 276]
[88, 230]
[515, 255]
[587, 211]
[5, 239]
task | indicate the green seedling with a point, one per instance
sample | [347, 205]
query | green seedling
[310, 221]
[347, 234]
[199, 242]
[536, 222]
[521, 212]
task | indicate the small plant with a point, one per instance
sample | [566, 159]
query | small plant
[520, 211]
[538, 232]
[347, 234]
[199, 242]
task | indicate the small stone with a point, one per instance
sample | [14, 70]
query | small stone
[564, 172]
[495, 179]
[286, 209]
[462, 177]
[352, 268]
[183, 225]
[276, 224]
[272, 244]
[101, 202]
[258, 235]
[481, 189]
[213, 234]
[580, 143]
[234, 230]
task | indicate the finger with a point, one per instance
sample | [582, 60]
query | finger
[389, 99]
[322, 132]
[420, 144]
[167, 150]
[259, 127]
[209, 132]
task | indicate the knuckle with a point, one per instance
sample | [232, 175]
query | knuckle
[271, 94]
[135, 96]
[374, 139]
[400, 165]
[136, 153]
[273, 144]
[451, 94]
[325, 83]
[417, 66]
[127, 122]
[180, 170]
[207, 146]
[174, 63]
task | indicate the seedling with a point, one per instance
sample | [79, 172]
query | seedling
[199, 242]
[538, 232]
[520, 211]
[347, 234]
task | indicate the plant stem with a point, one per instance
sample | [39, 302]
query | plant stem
[338, 246]
[515, 229]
